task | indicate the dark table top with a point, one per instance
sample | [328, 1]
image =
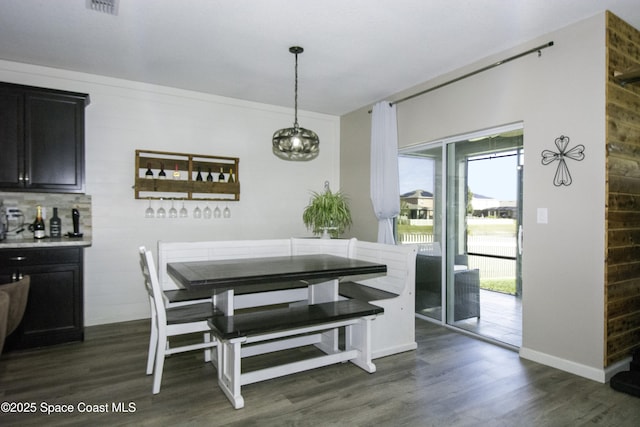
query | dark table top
[231, 273]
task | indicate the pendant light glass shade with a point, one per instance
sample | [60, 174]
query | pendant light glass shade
[296, 143]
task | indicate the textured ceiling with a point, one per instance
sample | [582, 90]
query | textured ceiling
[356, 51]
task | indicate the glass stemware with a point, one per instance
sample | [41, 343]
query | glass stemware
[173, 212]
[197, 213]
[227, 212]
[149, 213]
[216, 212]
[207, 212]
[183, 211]
[161, 212]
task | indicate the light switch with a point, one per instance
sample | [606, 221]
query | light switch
[543, 215]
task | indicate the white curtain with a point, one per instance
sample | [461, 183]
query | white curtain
[385, 189]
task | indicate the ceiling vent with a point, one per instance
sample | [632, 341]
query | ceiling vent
[105, 6]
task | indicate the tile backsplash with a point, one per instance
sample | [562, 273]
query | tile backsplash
[27, 203]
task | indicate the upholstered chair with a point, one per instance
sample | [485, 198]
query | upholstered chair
[17, 294]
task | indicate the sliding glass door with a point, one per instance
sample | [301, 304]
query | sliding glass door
[420, 223]
[463, 209]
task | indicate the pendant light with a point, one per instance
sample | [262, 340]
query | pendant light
[296, 143]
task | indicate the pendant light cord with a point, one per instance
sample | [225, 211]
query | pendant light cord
[295, 123]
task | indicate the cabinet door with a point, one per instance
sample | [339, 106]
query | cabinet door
[54, 142]
[53, 314]
[11, 137]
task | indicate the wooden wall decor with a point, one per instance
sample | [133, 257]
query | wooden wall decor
[622, 209]
[197, 176]
[562, 176]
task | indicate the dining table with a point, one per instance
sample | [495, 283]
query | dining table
[319, 272]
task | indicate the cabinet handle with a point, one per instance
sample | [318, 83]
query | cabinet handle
[20, 178]
[26, 178]
[18, 258]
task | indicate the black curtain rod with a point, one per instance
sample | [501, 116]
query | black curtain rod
[473, 73]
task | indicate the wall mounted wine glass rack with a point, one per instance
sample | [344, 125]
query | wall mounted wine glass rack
[220, 176]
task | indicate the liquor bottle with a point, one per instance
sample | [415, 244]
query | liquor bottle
[38, 225]
[149, 173]
[162, 174]
[176, 173]
[231, 177]
[221, 176]
[54, 224]
[199, 176]
[209, 177]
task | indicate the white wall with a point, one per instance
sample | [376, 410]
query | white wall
[560, 93]
[124, 116]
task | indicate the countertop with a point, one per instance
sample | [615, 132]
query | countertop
[49, 242]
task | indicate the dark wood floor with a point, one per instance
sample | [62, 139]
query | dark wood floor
[451, 380]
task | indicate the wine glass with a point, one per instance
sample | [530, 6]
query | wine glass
[227, 212]
[149, 212]
[183, 211]
[216, 212]
[173, 212]
[161, 212]
[197, 213]
[207, 212]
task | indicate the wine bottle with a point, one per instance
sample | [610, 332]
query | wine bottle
[221, 176]
[199, 176]
[209, 177]
[54, 224]
[231, 177]
[176, 173]
[38, 225]
[149, 173]
[162, 174]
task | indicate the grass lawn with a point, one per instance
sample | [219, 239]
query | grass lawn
[415, 229]
[505, 285]
[472, 229]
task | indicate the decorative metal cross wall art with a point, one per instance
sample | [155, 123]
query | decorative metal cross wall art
[562, 177]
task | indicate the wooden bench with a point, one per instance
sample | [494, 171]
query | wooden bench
[347, 289]
[358, 291]
[253, 333]
[184, 295]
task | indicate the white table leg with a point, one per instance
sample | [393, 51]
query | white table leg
[358, 337]
[325, 292]
[229, 374]
[223, 301]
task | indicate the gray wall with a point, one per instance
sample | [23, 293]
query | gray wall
[559, 93]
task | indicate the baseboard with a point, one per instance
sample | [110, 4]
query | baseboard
[376, 354]
[614, 368]
[589, 372]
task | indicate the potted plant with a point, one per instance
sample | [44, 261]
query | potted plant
[328, 213]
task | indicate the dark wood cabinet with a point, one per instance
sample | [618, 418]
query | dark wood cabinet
[41, 139]
[54, 312]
